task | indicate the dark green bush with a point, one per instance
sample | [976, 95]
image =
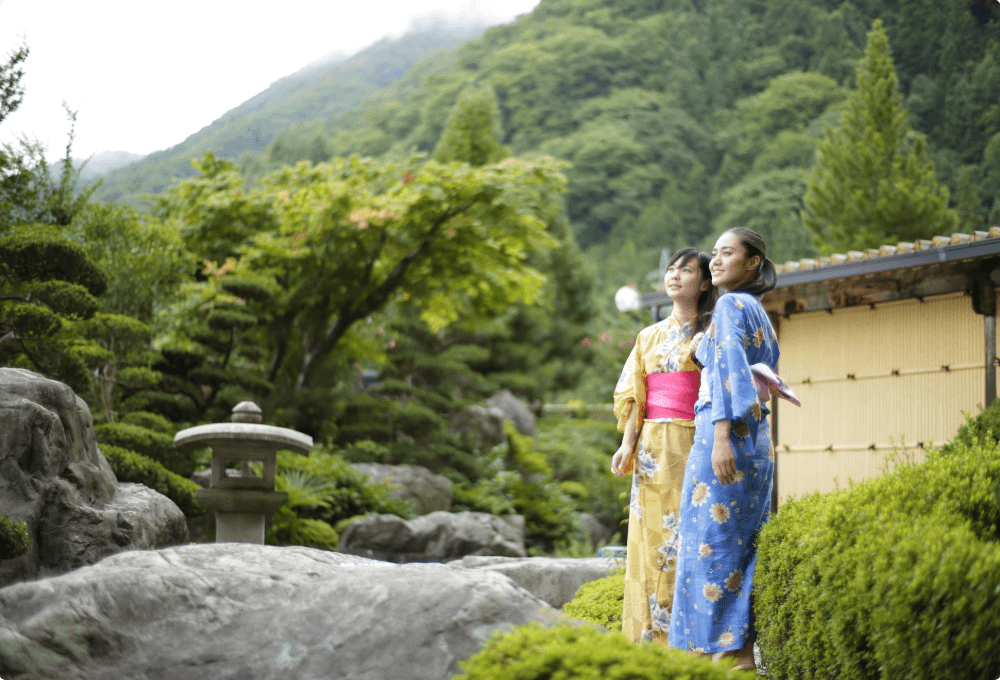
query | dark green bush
[896, 577]
[150, 443]
[130, 466]
[565, 652]
[14, 540]
[600, 601]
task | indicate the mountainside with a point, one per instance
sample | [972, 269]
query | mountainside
[682, 118]
[318, 91]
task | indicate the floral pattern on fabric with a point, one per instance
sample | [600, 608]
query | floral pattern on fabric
[719, 524]
[654, 504]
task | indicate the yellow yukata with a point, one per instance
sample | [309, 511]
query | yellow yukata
[659, 462]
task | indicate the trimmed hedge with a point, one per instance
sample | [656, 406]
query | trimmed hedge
[536, 652]
[897, 577]
[600, 601]
[149, 443]
[14, 540]
[130, 466]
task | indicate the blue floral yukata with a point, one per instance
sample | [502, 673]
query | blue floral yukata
[719, 524]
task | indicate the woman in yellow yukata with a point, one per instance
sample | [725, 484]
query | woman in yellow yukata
[654, 404]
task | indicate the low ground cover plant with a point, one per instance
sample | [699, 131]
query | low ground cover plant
[581, 652]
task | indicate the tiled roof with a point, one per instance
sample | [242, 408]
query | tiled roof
[898, 249]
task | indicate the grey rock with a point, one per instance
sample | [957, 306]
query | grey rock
[426, 491]
[552, 579]
[225, 611]
[515, 410]
[591, 529]
[437, 537]
[54, 479]
[483, 426]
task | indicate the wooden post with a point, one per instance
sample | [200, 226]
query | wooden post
[984, 301]
[990, 333]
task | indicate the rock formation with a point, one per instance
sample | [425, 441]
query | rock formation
[54, 479]
[426, 491]
[214, 611]
[513, 409]
[437, 537]
[484, 427]
[552, 579]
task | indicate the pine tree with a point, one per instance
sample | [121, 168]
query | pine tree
[472, 134]
[873, 181]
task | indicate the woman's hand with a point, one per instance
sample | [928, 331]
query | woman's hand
[723, 460]
[621, 455]
[695, 341]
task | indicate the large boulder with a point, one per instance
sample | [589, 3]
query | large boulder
[483, 426]
[232, 610]
[553, 579]
[591, 530]
[426, 491]
[513, 409]
[54, 479]
[437, 537]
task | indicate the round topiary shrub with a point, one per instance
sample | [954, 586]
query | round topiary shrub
[536, 652]
[600, 602]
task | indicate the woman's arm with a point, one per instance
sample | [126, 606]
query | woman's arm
[627, 446]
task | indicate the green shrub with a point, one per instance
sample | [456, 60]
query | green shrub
[981, 428]
[895, 577]
[522, 484]
[536, 652]
[150, 421]
[346, 491]
[287, 528]
[150, 443]
[600, 601]
[579, 452]
[14, 540]
[130, 466]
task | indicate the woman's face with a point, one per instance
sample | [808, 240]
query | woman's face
[730, 265]
[683, 282]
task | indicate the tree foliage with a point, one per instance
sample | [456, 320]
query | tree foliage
[873, 181]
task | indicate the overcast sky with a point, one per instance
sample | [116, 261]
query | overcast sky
[145, 75]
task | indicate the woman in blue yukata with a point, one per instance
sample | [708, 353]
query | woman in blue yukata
[727, 482]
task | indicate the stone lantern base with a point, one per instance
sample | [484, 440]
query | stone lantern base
[240, 513]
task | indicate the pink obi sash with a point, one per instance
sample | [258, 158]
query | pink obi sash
[672, 395]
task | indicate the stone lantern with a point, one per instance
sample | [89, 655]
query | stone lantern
[242, 500]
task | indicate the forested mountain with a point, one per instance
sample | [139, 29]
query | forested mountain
[683, 117]
[316, 92]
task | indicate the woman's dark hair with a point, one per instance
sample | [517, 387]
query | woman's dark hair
[767, 276]
[706, 300]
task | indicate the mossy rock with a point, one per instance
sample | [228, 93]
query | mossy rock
[14, 540]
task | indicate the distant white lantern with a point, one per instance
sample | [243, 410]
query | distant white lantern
[627, 299]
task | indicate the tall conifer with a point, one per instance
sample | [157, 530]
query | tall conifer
[472, 133]
[873, 181]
